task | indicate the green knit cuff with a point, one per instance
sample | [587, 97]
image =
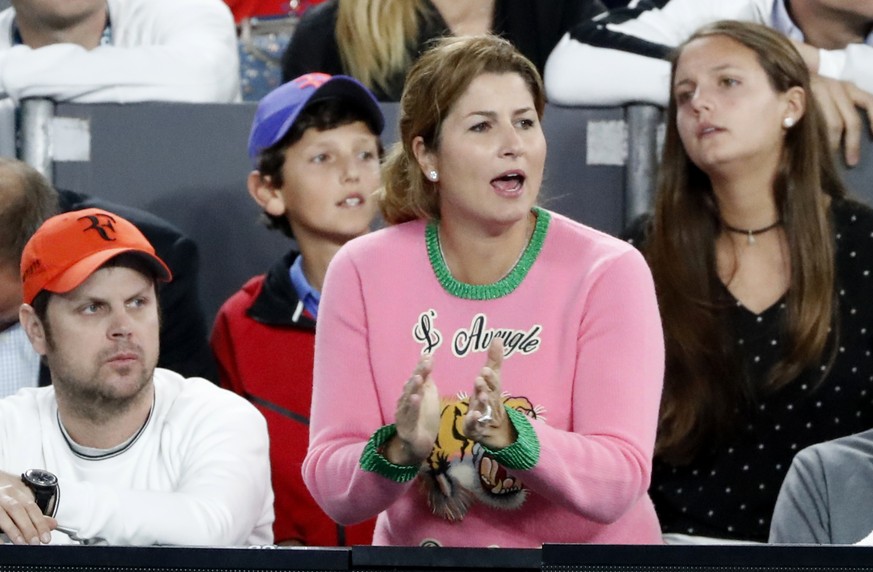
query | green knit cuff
[525, 452]
[372, 460]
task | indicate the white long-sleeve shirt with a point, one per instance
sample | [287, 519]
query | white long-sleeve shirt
[198, 473]
[619, 62]
[161, 50]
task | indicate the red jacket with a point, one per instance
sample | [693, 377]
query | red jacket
[264, 343]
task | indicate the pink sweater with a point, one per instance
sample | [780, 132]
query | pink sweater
[583, 359]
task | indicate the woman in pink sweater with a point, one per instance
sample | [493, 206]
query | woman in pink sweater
[487, 372]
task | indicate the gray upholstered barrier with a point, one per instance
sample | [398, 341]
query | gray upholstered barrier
[7, 129]
[188, 164]
[185, 163]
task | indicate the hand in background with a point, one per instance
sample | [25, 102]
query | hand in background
[809, 55]
[842, 103]
[20, 518]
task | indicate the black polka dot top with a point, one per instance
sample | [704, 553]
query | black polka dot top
[729, 490]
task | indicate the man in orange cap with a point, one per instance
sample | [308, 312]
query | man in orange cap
[27, 199]
[117, 450]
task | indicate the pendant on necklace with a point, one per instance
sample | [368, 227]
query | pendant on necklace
[751, 232]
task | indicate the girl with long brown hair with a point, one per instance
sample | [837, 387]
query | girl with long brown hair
[760, 265]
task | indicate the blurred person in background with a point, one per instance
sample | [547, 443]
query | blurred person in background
[376, 41]
[622, 56]
[119, 51]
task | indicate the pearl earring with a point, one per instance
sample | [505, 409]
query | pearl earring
[432, 175]
[788, 123]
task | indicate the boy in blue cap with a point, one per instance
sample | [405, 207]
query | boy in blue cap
[316, 153]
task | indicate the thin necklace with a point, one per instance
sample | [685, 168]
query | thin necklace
[752, 232]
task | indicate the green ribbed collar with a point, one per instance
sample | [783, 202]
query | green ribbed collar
[502, 287]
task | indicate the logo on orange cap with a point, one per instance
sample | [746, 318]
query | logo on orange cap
[103, 224]
[69, 247]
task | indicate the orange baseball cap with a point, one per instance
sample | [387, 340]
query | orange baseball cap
[69, 247]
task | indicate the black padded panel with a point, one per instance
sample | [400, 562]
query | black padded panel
[551, 558]
[705, 558]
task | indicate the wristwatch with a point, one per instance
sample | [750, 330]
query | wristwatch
[45, 488]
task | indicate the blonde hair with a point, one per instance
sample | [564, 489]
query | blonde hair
[376, 38]
[435, 82]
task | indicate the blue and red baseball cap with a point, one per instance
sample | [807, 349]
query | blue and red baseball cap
[279, 109]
